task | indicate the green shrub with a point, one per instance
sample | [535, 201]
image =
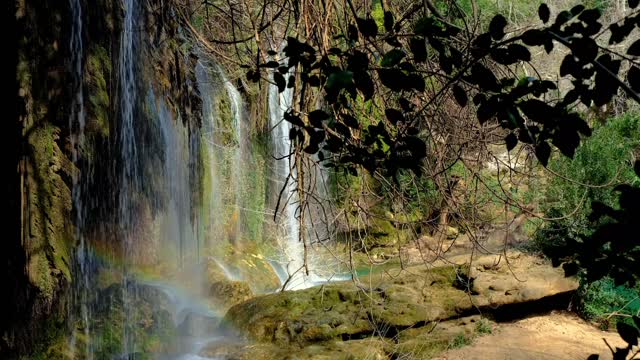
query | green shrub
[459, 341]
[603, 162]
[483, 327]
[602, 298]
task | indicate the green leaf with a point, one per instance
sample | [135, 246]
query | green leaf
[544, 13]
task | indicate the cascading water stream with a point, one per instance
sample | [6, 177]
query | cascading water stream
[238, 113]
[77, 121]
[293, 247]
[129, 162]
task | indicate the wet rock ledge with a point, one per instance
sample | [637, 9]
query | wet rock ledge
[419, 308]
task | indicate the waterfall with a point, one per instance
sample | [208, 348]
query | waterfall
[176, 228]
[77, 121]
[129, 162]
[322, 268]
[293, 247]
[238, 113]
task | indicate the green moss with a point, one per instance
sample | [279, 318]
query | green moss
[54, 344]
[224, 128]
[50, 206]
[97, 71]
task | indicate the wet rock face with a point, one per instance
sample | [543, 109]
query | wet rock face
[413, 299]
[226, 293]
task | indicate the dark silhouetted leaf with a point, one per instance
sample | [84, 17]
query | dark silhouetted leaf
[270, 64]
[543, 151]
[352, 30]
[388, 21]
[633, 76]
[593, 357]
[394, 79]
[418, 47]
[313, 81]
[569, 66]
[416, 82]
[394, 116]
[339, 80]
[316, 117]
[634, 3]
[392, 58]
[367, 27]
[484, 78]
[293, 119]
[534, 37]
[536, 110]
[520, 52]
[281, 83]
[350, 121]
[576, 10]
[606, 85]
[253, 76]
[636, 168]
[364, 84]
[628, 333]
[544, 13]
[584, 49]
[562, 19]
[634, 49]
[460, 95]
[496, 26]
[590, 16]
[511, 140]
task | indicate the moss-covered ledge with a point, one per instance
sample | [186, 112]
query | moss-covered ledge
[416, 297]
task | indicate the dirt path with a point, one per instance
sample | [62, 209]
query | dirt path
[557, 336]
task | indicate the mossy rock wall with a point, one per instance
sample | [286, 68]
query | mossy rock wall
[38, 252]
